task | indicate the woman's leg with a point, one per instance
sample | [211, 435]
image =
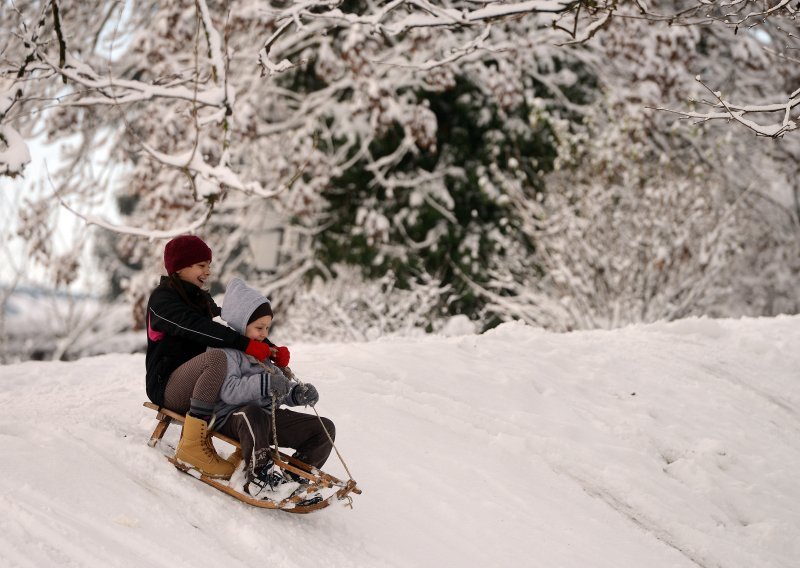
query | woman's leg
[194, 386]
[193, 389]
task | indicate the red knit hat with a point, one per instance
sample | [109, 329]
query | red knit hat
[184, 251]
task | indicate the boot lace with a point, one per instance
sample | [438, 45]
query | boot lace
[208, 446]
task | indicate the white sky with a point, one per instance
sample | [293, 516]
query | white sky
[14, 256]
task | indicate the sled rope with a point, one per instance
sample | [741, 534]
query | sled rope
[328, 434]
[274, 422]
[290, 374]
[341, 459]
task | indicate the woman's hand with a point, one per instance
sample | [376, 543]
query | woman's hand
[258, 349]
[281, 356]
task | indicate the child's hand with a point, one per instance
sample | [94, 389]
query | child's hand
[305, 394]
[279, 385]
[281, 356]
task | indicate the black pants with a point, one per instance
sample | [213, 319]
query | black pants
[252, 427]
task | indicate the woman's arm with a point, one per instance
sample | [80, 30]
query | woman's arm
[171, 315]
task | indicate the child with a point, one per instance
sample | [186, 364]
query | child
[181, 374]
[245, 410]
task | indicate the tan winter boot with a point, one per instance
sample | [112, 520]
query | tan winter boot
[195, 449]
[235, 458]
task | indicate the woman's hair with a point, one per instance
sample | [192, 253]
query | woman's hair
[203, 305]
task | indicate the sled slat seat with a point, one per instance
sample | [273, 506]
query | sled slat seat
[166, 416]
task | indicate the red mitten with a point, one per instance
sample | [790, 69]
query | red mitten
[259, 350]
[282, 357]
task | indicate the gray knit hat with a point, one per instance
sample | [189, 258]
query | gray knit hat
[239, 304]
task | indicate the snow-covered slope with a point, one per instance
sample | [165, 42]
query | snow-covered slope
[669, 445]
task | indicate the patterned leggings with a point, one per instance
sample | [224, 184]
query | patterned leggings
[194, 386]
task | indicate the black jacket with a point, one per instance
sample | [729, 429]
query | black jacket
[178, 331]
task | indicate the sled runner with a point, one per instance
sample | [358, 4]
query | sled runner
[295, 503]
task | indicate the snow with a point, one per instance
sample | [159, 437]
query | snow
[670, 445]
[14, 152]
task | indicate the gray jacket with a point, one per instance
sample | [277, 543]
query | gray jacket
[248, 381]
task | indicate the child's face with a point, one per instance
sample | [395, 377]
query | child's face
[196, 274]
[258, 329]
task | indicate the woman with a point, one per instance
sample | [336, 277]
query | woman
[181, 375]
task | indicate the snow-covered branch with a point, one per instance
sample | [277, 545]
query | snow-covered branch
[739, 113]
[401, 16]
[14, 153]
[150, 234]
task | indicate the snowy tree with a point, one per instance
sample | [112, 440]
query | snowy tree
[442, 149]
[643, 221]
[178, 106]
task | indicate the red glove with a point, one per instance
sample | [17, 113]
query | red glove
[282, 357]
[259, 350]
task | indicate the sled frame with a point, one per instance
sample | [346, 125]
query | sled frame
[319, 479]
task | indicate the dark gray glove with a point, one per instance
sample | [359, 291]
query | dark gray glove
[279, 385]
[305, 394]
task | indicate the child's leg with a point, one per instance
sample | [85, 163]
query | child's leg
[194, 386]
[305, 434]
[249, 425]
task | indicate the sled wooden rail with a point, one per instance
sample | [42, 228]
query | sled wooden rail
[319, 478]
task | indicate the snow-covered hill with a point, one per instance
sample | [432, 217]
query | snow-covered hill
[669, 445]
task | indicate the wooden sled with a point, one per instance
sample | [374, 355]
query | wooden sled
[319, 480]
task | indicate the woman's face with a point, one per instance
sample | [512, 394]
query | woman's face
[196, 274]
